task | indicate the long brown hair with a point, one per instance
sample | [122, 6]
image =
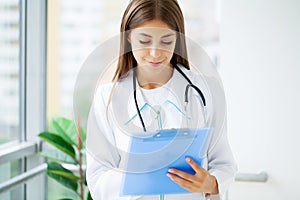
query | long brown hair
[141, 11]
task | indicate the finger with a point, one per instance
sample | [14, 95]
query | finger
[194, 165]
[182, 174]
[186, 184]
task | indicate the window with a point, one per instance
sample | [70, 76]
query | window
[22, 64]
[9, 85]
[70, 40]
[9, 70]
[202, 25]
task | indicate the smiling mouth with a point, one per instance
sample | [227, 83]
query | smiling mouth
[155, 63]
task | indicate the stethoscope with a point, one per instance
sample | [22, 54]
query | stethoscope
[190, 84]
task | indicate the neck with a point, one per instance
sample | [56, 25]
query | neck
[152, 80]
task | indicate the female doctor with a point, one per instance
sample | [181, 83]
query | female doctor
[152, 70]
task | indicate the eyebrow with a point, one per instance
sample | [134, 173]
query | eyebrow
[164, 36]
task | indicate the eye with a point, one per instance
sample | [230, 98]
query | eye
[144, 42]
[167, 43]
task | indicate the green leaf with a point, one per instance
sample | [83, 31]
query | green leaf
[58, 169]
[57, 156]
[65, 174]
[71, 184]
[58, 142]
[67, 182]
[89, 196]
[53, 166]
[67, 129]
[66, 199]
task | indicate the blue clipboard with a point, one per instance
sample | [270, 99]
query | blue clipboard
[151, 155]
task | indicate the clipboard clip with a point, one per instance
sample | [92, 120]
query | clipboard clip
[171, 134]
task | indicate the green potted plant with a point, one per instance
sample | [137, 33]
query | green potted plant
[68, 141]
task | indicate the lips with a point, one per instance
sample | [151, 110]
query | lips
[155, 63]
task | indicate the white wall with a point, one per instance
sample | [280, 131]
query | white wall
[260, 68]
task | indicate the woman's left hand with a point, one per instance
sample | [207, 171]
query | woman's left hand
[202, 181]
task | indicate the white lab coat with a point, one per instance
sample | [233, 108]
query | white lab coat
[108, 128]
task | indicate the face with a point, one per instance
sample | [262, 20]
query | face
[153, 44]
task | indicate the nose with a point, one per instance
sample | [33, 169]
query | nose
[155, 52]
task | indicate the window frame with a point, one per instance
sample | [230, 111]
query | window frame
[32, 104]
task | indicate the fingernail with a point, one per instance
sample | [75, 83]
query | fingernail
[171, 170]
[188, 159]
[168, 175]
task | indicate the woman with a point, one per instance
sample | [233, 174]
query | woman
[152, 47]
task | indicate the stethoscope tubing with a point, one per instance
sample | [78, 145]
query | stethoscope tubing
[185, 94]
